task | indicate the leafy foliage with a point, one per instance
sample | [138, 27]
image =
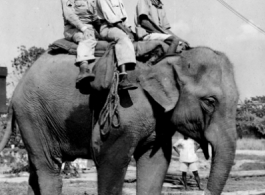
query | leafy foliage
[15, 138]
[251, 118]
[25, 59]
[20, 64]
[16, 159]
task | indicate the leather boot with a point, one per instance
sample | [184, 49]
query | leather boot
[85, 75]
[125, 84]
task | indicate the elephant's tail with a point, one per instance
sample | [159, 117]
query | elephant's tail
[8, 127]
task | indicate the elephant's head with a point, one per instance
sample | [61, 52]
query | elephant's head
[199, 91]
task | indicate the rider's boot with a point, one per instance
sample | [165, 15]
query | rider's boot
[125, 84]
[85, 75]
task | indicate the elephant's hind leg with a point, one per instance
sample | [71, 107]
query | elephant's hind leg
[44, 180]
[50, 183]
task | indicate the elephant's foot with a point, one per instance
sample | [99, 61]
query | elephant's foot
[50, 184]
[44, 181]
[44, 184]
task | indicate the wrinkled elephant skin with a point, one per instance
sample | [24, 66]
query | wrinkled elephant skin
[194, 93]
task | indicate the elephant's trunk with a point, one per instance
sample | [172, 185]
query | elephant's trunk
[223, 141]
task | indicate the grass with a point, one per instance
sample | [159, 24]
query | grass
[251, 144]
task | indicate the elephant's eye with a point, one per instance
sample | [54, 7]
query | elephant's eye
[208, 104]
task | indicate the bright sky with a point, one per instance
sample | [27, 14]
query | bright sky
[201, 22]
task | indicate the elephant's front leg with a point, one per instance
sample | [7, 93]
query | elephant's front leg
[112, 165]
[152, 167]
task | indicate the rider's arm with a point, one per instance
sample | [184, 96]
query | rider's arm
[148, 25]
[125, 29]
[143, 9]
[122, 27]
[70, 16]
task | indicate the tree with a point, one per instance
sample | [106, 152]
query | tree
[20, 64]
[251, 117]
[24, 60]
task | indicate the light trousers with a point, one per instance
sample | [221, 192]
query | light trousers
[156, 36]
[86, 45]
[124, 48]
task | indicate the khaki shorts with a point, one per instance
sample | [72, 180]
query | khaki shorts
[184, 167]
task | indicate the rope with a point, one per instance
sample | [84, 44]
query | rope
[109, 110]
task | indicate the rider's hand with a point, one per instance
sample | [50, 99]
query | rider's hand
[88, 33]
[131, 36]
[130, 33]
[184, 44]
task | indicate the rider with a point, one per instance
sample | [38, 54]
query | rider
[152, 24]
[114, 27]
[79, 17]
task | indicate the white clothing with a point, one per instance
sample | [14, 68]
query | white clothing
[124, 48]
[156, 15]
[156, 36]
[112, 11]
[185, 167]
[186, 150]
[78, 17]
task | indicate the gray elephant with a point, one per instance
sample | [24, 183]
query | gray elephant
[193, 93]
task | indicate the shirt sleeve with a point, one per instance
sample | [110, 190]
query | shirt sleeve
[142, 8]
[93, 11]
[70, 16]
[107, 12]
[165, 22]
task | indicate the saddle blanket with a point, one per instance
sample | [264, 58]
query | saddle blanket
[65, 46]
[141, 48]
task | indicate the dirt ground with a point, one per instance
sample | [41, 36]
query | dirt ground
[247, 177]
[247, 184]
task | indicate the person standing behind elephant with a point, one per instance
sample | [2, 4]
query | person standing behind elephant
[114, 27]
[79, 17]
[186, 148]
[151, 24]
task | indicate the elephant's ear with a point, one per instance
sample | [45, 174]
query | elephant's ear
[160, 82]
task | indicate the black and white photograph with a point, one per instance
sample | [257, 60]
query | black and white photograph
[132, 97]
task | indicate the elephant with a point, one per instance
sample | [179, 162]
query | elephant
[193, 93]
